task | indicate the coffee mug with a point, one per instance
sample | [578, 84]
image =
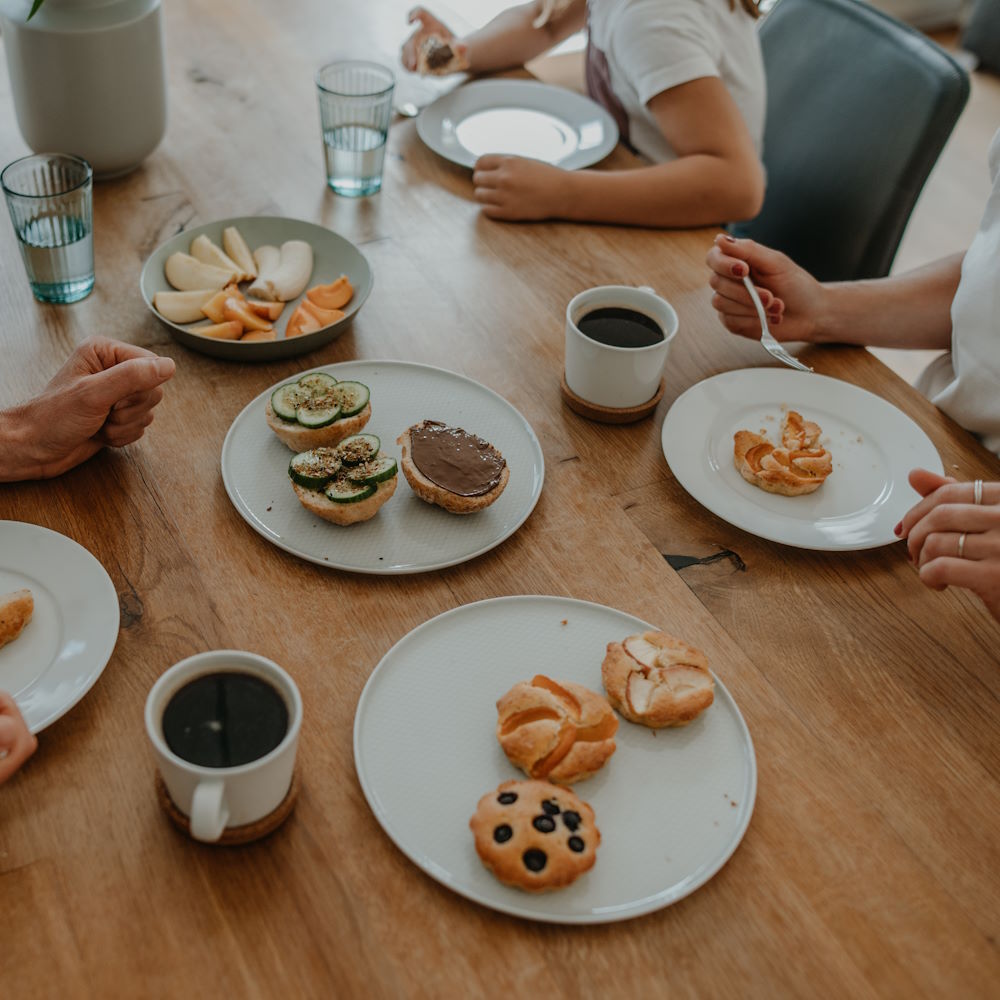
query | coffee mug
[216, 797]
[617, 377]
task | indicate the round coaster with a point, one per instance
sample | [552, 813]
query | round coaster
[609, 414]
[233, 835]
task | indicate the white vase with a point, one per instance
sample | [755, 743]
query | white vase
[88, 78]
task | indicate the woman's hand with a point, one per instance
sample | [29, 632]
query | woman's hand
[427, 26]
[517, 189]
[17, 744]
[952, 540]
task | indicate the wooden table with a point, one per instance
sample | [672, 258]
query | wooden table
[871, 866]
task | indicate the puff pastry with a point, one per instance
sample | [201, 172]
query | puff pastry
[657, 680]
[16, 609]
[559, 731]
[799, 466]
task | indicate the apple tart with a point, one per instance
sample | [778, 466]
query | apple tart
[799, 466]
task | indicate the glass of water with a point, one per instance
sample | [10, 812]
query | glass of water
[49, 197]
[355, 105]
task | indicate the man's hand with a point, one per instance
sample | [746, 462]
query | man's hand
[517, 189]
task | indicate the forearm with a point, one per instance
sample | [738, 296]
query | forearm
[911, 310]
[510, 39]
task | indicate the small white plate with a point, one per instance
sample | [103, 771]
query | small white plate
[520, 118]
[406, 535]
[873, 444]
[672, 805]
[65, 647]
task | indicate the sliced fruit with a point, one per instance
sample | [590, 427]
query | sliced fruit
[181, 307]
[237, 249]
[326, 317]
[220, 331]
[267, 259]
[186, 273]
[376, 471]
[317, 382]
[285, 279]
[287, 398]
[259, 335]
[236, 310]
[203, 249]
[359, 448]
[638, 692]
[214, 308]
[641, 650]
[301, 321]
[342, 490]
[269, 310]
[314, 469]
[336, 295]
[352, 396]
[317, 412]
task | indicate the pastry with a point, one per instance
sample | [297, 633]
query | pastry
[346, 484]
[556, 730]
[317, 411]
[449, 467]
[534, 835]
[657, 680]
[799, 466]
[438, 57]
[16, 609]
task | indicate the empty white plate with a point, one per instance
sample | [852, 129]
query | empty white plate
[873, 444]
[519, 118]
[65, 647]
[406, 535]
[671, 805]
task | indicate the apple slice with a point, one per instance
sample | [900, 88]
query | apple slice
[641, 650]
[638, 692]
[237, 311]
[181, 307]
[238, 251]
[220, 331]
[203, 249]
[187, 274]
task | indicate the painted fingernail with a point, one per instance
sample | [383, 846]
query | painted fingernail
[728, 238]
[898, 529]
[739, 270]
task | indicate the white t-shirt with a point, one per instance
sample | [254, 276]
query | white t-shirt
[648, 46]
[966, 382]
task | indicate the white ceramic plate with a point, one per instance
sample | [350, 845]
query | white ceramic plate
[672, 806]
[874, 447]
[407, 535]
[332, 256]
[521, 118]
[62, 651]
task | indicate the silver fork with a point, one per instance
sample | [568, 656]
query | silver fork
[767, 340]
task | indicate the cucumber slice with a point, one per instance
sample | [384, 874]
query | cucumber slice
[358, 448]
[286, 400]
[314, 469]
[317, 382]
[315, 413]
[373, 472]
[342, 490]
[352, 396]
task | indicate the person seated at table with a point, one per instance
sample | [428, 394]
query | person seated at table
[684, 80]
[104, 394]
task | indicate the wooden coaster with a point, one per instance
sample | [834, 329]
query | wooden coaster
[233, 835]
[609, 414]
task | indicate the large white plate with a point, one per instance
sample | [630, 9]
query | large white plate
[874, 447]
[407, 535]
[64, 648]
[672, 806]
[521, 118]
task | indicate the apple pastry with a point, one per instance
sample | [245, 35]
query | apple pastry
[559, 731]
[16, 609]
[657, 680]
[799, 466]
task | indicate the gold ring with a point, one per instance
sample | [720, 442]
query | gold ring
[961, 545]
[977, 492]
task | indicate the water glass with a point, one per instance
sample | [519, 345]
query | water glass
[49, 197]
[355, 105]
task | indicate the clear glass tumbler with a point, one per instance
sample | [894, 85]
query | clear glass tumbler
[355, 105]
[49, 197]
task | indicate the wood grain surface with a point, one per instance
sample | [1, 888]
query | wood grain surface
[871, 866]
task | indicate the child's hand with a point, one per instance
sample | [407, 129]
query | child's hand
[17, 744]
[428, 25]
[518, 189]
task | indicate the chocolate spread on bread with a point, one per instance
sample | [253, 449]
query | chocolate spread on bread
[455, 460]
[438, 53]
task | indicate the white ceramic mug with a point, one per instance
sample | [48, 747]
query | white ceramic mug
[214, 798]
[617, 377]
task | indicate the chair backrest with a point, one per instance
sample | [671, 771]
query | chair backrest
[859, 108]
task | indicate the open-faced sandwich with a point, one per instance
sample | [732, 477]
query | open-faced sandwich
[317, 411]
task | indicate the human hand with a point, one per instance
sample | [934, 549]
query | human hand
[934, 527]
[104, 394]
[429, 26]
[517, 189]
[792, 298]
[17, 744]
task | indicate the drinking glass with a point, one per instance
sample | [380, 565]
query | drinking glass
[355, 105]
[49, 197]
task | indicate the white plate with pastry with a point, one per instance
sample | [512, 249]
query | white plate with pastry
[862, 448]
[518, 118]
[671, 805]
[382, 528]
[68, 626]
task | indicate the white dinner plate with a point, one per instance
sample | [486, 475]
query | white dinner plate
[62, 651]
[406, 535]
[873, 444]
[671, 805]
[520, 118]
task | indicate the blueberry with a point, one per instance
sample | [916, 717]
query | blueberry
[551, 808]
[571, 819]
[502, 833]
[576, 844]
[544, 824]
[534, 859]
[506, 798]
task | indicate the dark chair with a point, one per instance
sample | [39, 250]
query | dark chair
[859, 107]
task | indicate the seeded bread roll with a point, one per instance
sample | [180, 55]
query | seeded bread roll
[16, 609]
[317, 502]
[300, 438]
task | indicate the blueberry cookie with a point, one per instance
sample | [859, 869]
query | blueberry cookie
[534, 835]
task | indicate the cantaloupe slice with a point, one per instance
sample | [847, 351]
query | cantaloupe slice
[255, 335]
[269, 310]
[336, 295]
[301, 321]
[220, 331]
[237, 311]
[215, 306]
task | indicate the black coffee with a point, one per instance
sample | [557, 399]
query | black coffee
[225, 719]
[619, 327]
